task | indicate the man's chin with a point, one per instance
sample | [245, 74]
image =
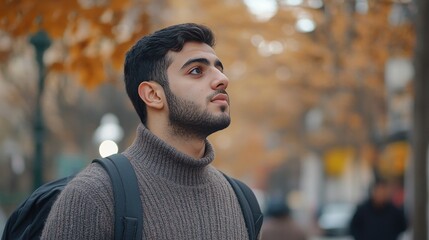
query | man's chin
[221, 123]
[225, 123]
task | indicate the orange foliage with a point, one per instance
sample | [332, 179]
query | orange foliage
[81, 28]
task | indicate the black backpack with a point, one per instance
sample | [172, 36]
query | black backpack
[27, 221]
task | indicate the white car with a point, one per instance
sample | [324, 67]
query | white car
[334, 218]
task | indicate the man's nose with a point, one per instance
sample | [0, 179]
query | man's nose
[220, 80]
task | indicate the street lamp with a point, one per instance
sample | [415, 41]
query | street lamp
[108, 134]
[41, 43]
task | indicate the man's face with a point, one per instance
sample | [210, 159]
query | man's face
[197, 100]
[380, 194]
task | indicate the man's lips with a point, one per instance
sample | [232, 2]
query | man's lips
[221, 97]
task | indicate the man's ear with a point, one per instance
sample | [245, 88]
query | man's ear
[152, 94]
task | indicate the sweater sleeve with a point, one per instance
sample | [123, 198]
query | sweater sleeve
[80, 212]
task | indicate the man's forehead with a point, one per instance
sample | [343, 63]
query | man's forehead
[193, 50]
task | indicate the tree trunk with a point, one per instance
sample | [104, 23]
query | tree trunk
[421, 120]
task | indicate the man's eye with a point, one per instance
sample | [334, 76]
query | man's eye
[196, 71]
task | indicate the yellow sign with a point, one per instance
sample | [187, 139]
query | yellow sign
[336, 160]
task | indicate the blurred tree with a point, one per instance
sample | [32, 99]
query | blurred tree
[90, 39]
[92, 36]
[420, 141]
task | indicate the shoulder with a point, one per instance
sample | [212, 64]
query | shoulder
[362, 209]
[92, 177]
[83, 208]
[91, 185]
[236, 183]
[366, 204]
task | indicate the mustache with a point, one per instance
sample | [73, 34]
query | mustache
[220, 91]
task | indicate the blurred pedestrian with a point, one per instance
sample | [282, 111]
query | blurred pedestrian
[377, 218]
[178, 87]
[279, 224]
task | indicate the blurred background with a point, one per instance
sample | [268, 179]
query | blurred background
[322, 95]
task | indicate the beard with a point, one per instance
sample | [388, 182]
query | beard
[187, 119]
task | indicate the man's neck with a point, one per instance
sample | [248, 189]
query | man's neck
[191, 146]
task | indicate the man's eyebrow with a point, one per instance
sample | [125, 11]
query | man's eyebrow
[204, 61]
[218, 63]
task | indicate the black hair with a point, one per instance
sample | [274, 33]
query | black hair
[147, 60]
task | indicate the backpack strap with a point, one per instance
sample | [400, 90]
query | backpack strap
[249, 206]
[128, 209]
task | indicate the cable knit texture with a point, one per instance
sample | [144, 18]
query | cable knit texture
[182, 198]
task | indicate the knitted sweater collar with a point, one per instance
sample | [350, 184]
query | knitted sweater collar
[155, 156]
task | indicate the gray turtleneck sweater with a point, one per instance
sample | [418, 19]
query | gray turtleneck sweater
[182, 198]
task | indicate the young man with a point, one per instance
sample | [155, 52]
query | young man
[377, 217]
[178, 88]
